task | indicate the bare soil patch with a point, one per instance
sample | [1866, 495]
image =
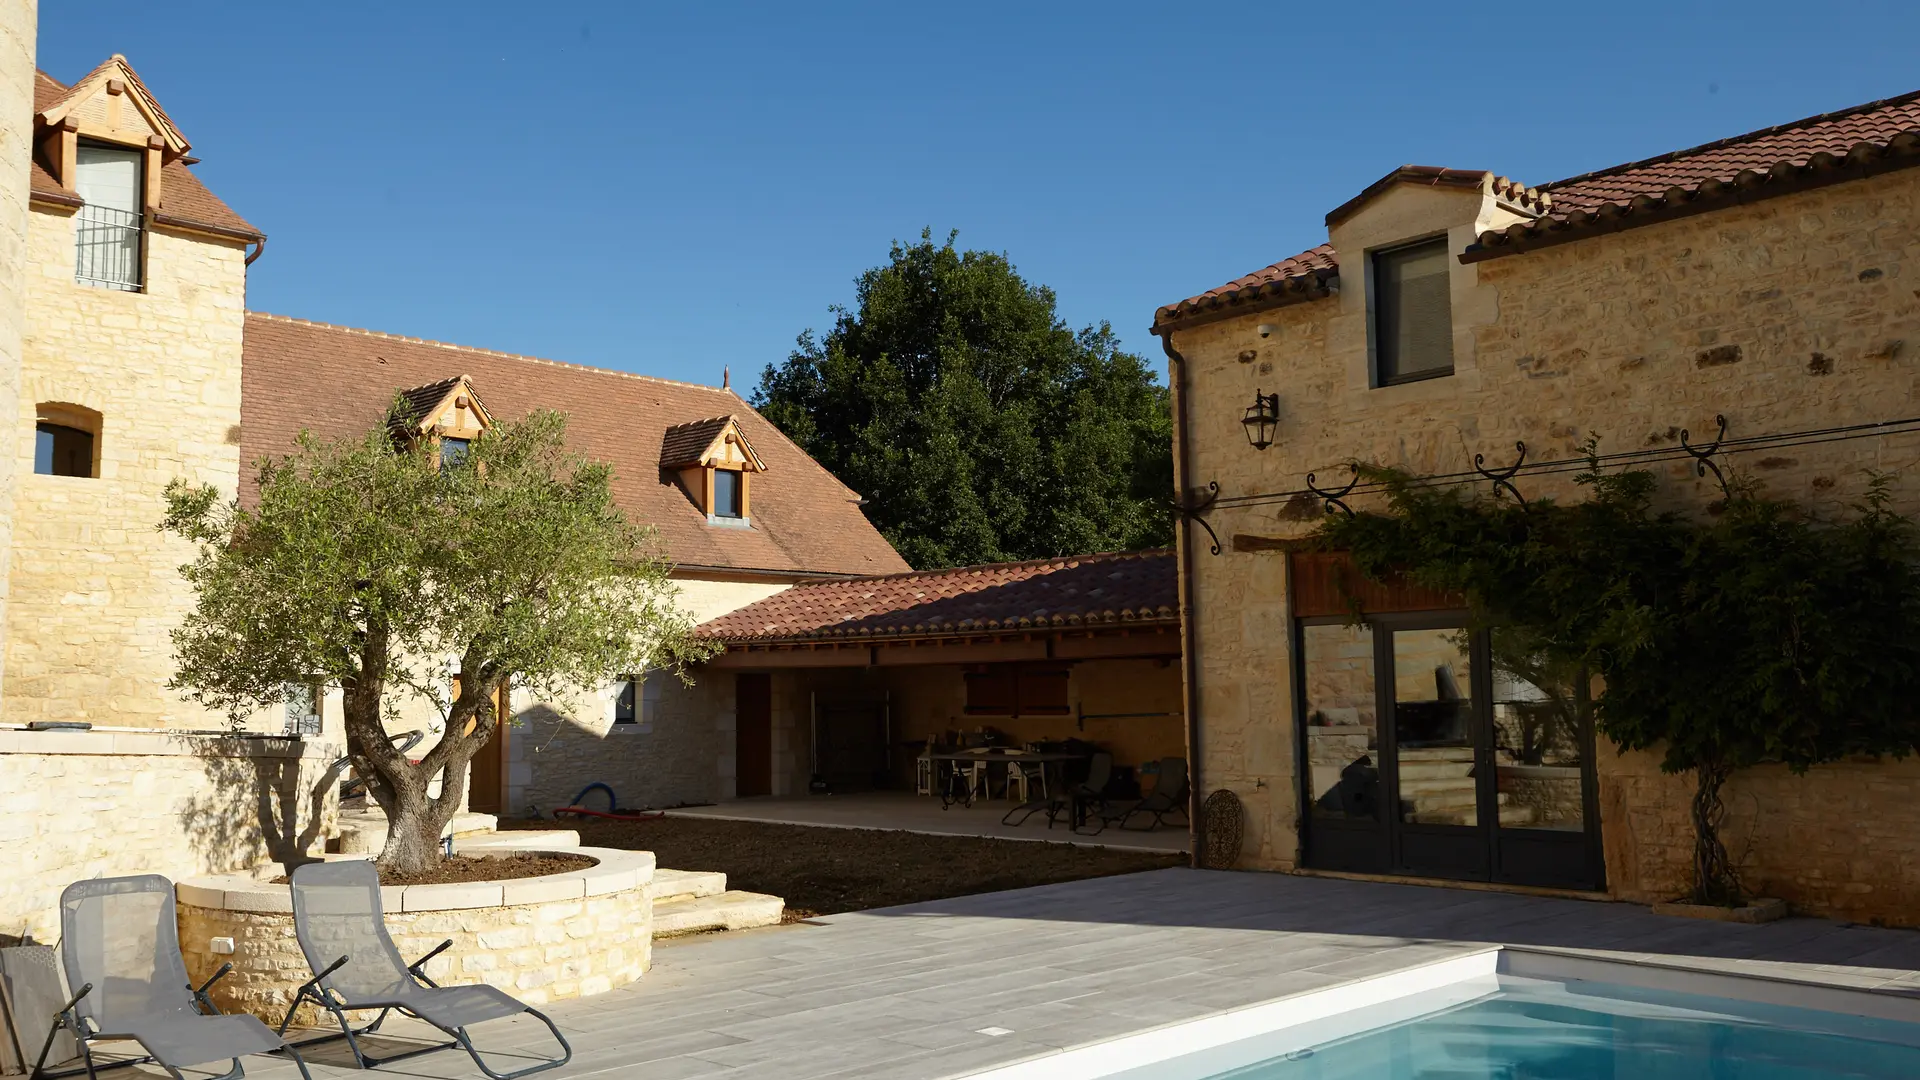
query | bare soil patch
[822, 871]
[460, 869]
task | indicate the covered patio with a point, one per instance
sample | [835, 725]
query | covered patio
[907, 812]
[937, 701]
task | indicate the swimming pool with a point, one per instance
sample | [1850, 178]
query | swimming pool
[1516, 1015]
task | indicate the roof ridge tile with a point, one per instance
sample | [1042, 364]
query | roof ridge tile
[502, 354]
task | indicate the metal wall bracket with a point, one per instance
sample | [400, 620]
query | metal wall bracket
[1197, 505]
[1335, 499]
[1703, 455]
[1503, 478]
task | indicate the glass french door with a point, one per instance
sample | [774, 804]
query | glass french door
[1432, 750]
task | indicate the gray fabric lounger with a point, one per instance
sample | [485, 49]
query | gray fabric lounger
[121, 946]
[337, 916]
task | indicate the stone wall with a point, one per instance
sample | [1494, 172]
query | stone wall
[95, 589]
[681, 750]
[541, 939]
[108, 802]
[18, 25]
[1786, 314]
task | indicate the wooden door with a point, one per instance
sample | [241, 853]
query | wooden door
[487, 775]
[753, 735]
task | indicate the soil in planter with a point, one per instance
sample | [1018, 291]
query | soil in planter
[821, 871]
[459, 869]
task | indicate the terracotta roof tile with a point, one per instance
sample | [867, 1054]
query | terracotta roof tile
[1303, 276]
[1082, 590]
[1834, 145]
[184, 201]
[337, 381]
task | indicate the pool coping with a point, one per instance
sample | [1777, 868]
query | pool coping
[1119, 1057]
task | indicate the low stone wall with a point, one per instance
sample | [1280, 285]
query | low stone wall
[106, 802]
[541, 939]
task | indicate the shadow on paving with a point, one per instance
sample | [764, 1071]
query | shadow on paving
[1284, 903]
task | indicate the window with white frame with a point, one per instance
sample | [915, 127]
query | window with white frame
[108, 225]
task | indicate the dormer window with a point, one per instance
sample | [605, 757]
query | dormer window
[446, 414]
[1412, 313]
[713, 463]
[108, 226]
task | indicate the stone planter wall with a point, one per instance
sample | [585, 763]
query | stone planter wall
[542, 939]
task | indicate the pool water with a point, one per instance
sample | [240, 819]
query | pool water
[1533, 1029]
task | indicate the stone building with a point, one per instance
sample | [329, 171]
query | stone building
[1772, 279]
[128, 359]
[740, 510]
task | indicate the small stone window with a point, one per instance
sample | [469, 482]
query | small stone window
[1412, 313]
[303, 708]
[66, 440]
[636, 703]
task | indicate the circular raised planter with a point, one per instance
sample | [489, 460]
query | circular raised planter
[539, 938]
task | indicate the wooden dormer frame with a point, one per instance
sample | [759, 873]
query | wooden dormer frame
[703, 448]
[59, 127]
[447, 409]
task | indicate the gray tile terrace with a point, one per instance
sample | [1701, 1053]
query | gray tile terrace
[902, 993]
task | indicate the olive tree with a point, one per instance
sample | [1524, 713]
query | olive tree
[367, 564]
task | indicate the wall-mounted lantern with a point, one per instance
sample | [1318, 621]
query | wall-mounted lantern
[1263, 416]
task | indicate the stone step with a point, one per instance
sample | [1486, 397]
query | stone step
[1435, 770]
[519, 840]
[1444, 785]
[673, 886]
[364, 832]
[1510, 816]
[731, 910]
[1436, 753]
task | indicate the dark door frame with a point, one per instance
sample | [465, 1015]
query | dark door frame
[1518, 856]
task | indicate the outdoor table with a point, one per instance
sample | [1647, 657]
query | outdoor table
[1006, 756]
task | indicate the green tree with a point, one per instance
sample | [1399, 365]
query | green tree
[1754, 635]
[978, 426]
[372, 567]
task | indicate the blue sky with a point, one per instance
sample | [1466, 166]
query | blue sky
[672, 188]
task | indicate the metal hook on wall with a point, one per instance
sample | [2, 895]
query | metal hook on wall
[1703, 455]
[1503, 478]
[1198, 505]
[1335, 499]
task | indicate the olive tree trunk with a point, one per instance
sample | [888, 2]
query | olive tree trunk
[415, 819]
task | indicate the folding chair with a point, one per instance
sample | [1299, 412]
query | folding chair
[337, 917]
[1169, 796]
[120, 945]
[1087, 800]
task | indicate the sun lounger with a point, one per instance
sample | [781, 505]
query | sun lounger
[337, 917]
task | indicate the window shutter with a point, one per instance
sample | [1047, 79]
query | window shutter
[109, 177]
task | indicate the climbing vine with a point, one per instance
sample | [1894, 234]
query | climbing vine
[1754, 634]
